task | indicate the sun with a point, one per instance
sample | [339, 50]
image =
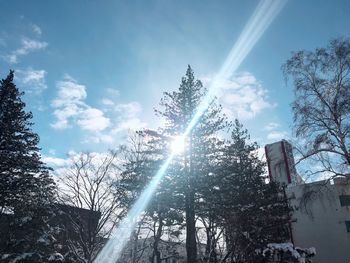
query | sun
[178, 145]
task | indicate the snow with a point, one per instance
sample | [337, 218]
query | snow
[55, 257]
[43, 240]
[21, 257]
[296, 252]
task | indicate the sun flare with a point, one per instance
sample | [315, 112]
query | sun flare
[178, 145]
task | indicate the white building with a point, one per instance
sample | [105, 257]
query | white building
[321, 216]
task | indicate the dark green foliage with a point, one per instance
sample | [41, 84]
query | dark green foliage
[26, 188]
[200, 150]
[221, 183]
[164, 212]
[185, 181]
[252, 212]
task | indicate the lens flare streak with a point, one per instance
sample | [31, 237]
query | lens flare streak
[262, 17]
[264, 14]
[114, 247]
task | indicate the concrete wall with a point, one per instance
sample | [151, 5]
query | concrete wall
[318, 217]
[280, 161]
[319, 220]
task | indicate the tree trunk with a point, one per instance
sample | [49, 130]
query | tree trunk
[191, 243]
[208, 245]
[134, 248]
[157, 237]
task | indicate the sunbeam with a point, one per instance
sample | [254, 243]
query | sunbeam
[178, 145]
[114, 247]
[264, 14]
[262, 17]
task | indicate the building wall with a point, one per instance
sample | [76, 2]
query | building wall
[319, 218]
[280, 161]
[320, 222]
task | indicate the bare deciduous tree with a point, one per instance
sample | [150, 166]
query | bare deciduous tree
[322, 105]
[91, 183]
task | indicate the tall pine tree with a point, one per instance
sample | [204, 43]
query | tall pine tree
[179, 107]
[252, 212]
[26, 188]
[220, 182]
[144, 157]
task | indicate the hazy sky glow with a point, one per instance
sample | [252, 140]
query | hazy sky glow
[91, 71]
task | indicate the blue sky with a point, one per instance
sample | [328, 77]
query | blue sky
[92, 70]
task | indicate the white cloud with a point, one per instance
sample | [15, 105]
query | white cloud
[36, 29]
[129, 117]
[107, 102]
[111, 96]
[69, 92]
[74, 156]
[126, 118]
[63, 115]
[271, 126]
[113, 92]
[129, 109]
[277, 135]
[70, 107]
[100, 138]
[33, 79]
[54, 161]
[242, 97]
[131, 124]
[93, 120]
[63, 166]
[261, 153]
[27, 46]
[273, 134]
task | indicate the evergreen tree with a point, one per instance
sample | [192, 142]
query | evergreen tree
[144, 157]
[186, 180]
[195, 162]
[26, 188]
[220, 182]
[252, 212]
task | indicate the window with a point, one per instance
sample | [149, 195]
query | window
[344, 200]
[347, 223]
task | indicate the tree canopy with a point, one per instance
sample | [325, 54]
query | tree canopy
[321, 107]
[27, 191]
